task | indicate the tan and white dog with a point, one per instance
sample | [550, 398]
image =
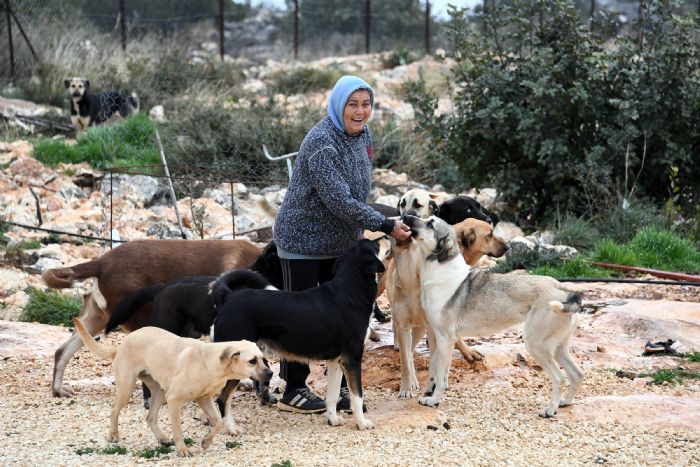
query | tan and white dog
[177, 370]
[459, 302]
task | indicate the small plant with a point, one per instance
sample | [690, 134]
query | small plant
[397, 58]
[525, 258]
[576, 267]
[116, 449]
[305, 79]
[83, 451]
[692, 356]
[670, 376]
[199, 214]
[189, 442]
[233, 444]
[150, 453]
[51, 307]
[576, 232]
[284, 463]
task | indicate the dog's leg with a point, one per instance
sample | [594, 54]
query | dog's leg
[262, 389]
[417, 334]
[467, 352]
[353, 375]
[441, 357]
[157, 399]
[227, 396]
[543, 353]
[572, 371]
[207, 405]
[94, 321]
[408, 370]
[174, 411]
[334, 377]
[124, 380]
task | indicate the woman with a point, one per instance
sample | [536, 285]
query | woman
[325, 210]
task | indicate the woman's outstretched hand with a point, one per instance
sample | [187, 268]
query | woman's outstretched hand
[401, 231]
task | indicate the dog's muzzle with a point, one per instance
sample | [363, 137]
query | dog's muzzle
[77, 94]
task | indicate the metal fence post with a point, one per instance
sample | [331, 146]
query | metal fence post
[368, 23]
[221, 29]
[9, 37]
[122, 24]
[427, 27]
[296, 29]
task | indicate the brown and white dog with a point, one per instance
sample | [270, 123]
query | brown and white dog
[130, 267]
[178, 370]
[87, 109]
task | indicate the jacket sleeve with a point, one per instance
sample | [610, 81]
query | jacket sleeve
[335, 193]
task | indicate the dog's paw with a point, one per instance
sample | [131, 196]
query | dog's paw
[183, 452]
[365, 424]
[335, 420]
[406, 394]
[564, 403]
[63, 392]
[231, 428]
[113, 437]
[548, 412]
[429, 401]
[472, 355]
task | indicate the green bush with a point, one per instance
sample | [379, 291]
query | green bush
[576, 267]
[129, 142]
[665, 250]
[51, 307]
[577, 232]
[556, 118]
[304, 79]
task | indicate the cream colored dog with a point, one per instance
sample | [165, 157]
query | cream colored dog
[420, 203]
[177, 370]
[463, 302]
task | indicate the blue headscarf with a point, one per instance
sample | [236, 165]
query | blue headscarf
[340, 94]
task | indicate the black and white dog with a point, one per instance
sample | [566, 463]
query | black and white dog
[328, 322]
[87, 109]
[459, 208]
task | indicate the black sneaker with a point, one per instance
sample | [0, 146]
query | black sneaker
[344, 402]
[302, 401]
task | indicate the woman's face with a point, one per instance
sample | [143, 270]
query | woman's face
[357, 111]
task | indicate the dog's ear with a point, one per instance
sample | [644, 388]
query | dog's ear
[229, 353]
[87, 84]
[66, 83]
[433, 207]
[467, 238]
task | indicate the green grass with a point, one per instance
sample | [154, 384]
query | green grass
[109, 450]
[233, 444]
[692, 356]
[129, 142]
[51, 307]
[284, 463]
[671, 376]
[150, 453]
[649, 248]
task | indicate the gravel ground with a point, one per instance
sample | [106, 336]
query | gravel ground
[489, 421]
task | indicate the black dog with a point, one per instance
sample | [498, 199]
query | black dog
[459, 208]
[187, 305]
[87, 109]
[328, 322]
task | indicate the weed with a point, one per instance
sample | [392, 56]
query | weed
[233, 444]
[189, 442]
[665, 250]
[82, 451]
[692, 356]
[284, 463]
[525, 258]
[305, 79]
[150, 453]
[576, 232]
[576, 267]
[670, 376]
[607, 251]
[51, 307]
[116, 449]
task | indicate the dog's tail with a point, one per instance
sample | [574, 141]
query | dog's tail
[571, 305]
[235, 279]
[102, 351]
[135, 103]
[129, 304]
[63, 278]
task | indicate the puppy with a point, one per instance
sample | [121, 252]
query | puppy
[178, 370]
[459, 302]
[328, 322]
[87, 109]
[464, 207]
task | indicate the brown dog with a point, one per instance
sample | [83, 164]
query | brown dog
[476, 239]
[178, 370]
[130, 267]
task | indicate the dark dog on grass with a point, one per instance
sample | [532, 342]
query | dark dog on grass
[87, 109]
[328, 322]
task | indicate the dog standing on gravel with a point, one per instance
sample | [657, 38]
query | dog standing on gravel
[87, 109]
[177, 370]
[463, 302]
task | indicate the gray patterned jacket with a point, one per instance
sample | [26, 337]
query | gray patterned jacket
[325, 208]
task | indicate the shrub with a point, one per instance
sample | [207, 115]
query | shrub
[51, 307]
[556, 118]
[665, 250]
[621, 224]
[577, 267]
[129, 142]
[576, 232]
[304, 79]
